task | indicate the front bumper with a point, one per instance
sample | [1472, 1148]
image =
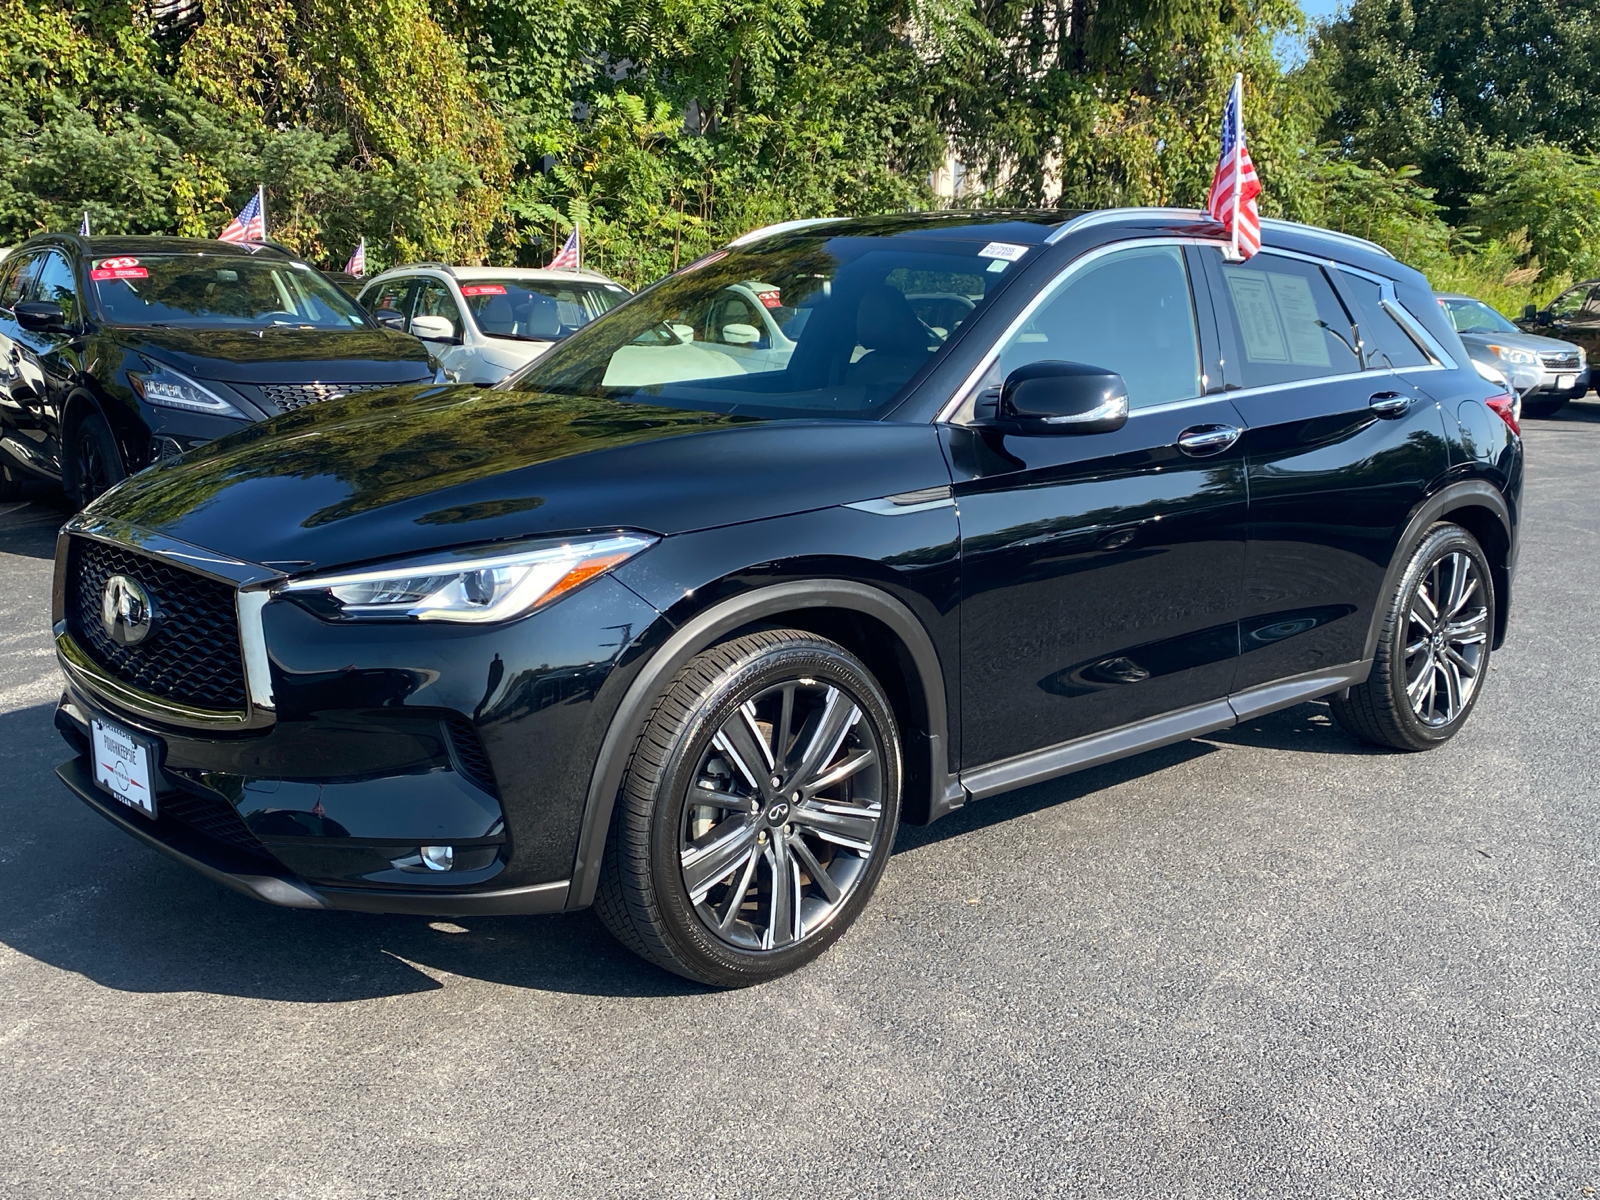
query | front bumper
[1550, 384]
[251, 876]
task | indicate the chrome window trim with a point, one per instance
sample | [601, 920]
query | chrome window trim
[251, 584]
[953, 405]
[1390, 299]
[1416, 330]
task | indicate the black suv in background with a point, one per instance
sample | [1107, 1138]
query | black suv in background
[684, 632]
[118, 351]
[1573, 316]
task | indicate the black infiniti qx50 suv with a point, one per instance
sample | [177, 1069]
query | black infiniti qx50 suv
[682, 622]
[116, 352]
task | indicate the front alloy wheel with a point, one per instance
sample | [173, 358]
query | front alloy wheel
[782, 820]
[757, 813]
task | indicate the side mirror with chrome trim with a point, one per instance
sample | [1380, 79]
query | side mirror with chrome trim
[1063, 397]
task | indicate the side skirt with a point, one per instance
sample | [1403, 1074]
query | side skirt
[1040, 765]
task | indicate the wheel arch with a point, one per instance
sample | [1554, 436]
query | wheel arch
[867, 621]
[1481, 509]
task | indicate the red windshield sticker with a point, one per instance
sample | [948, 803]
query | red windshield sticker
[770, 299]
[118, 268]
[483, 289]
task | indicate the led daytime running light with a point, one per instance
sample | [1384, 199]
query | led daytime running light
[479, 589]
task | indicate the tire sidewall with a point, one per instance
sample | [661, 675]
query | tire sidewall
[691, 940]
[91, 426]
[1441, 540]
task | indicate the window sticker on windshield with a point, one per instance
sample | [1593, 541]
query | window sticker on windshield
[118, 268]
[1009, 251]
[772, 299]
[483, 289]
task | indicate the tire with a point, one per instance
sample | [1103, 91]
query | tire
[1544, 406]
[10, 482]
[1434, 637]
[689, 886]
[93, 463]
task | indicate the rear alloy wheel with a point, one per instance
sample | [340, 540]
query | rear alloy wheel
[757, 813]
[94, 464]
[1433, 652]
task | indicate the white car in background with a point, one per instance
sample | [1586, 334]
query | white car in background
[482, 323]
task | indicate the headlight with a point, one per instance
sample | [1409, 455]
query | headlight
[1517, 358]
[166, 387]
[477, 587]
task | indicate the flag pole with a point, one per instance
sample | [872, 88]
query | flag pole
[1238, 155]
[261, 203]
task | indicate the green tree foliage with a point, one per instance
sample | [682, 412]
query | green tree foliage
[1443, 84]
[1455, 132]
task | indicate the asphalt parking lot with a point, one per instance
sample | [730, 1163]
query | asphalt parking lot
[1268, 962]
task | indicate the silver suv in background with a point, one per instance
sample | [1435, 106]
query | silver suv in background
[1545, 372]
[482, 323]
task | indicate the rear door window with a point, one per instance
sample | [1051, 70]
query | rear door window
[1384, 342]
[1288, 322]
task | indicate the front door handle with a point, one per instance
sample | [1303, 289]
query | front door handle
[1389, 404]
[1201, 440]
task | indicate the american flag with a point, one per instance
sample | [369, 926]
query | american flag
[1235, 186]
[249, 226]
[358, 261]
[570, 253]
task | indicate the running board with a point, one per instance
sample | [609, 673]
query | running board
[1054, 761]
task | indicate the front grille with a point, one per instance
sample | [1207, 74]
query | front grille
[470, 758]
[290, 396]
[212, 816]
[190, 656]
[1560, 361]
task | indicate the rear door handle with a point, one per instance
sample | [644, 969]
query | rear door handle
[1389, 404]
[1201, 440]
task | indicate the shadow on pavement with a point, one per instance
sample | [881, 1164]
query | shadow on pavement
[81, 896]
[28, 526]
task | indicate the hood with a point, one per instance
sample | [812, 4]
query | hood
[283, 355]
[1520, 341]
[366, 478]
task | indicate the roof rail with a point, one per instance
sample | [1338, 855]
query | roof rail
[1104, 215]
[1332, 235]
[766, 231]
[446, 267]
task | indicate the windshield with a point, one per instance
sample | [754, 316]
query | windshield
[811, 325]
[206, 291]
[537, 309]
[1474, 316]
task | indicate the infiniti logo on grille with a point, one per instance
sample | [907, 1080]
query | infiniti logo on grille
[126, 611]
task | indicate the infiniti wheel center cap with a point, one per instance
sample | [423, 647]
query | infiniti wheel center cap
[778, 813]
